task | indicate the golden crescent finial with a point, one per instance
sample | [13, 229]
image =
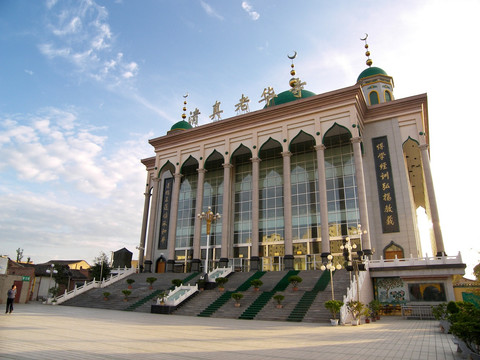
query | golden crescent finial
[365, 38]
[185, 96]
[293, 56]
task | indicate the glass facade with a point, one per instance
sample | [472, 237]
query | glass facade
[186, 207]
[242, 228]
[213, 197]
[342, 199]
[271, 224]
[305, 205]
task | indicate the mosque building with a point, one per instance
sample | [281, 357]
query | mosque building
[293, 182]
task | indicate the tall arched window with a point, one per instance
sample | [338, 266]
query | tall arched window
[388, 96]
[373, 98]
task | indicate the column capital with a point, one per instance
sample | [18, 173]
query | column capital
[155, 179]
[201, 170]
[423, 147]
[147, 194]
[255, 160]
[227, 166]
[286, 153]
[177, 176]
[355, 140]
[320, 147]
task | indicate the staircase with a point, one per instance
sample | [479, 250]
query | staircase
[228, 294]
[263, 299]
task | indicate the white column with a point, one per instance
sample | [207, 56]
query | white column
[198, 209]
[427, 173]
[226, 218]
[287, 203]
[255, 204]
[143, 235]
[322, 193]
[151, 229]
[362, 195]
[172, 226]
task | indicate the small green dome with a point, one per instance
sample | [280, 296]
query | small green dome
[287, 96]
[181, 125]
[371, 71]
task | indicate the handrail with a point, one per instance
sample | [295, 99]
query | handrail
[411, 261]
[172, 300]
[121, 274]
[219, 272]
[352, 292]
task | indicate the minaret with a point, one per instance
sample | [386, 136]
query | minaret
[376, 85]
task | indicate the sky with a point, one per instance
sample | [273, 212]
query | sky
[85, 83]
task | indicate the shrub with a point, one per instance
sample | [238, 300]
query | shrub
[256, 283]
[295, 280]
[355, 308]
[440, 311]
[151, 280]
[126, 293]
[279, 298]
[106, 294]
[221, 281]
[237, 297]
[130, 281]
[466, 325]
[334, 306]
[177, 282]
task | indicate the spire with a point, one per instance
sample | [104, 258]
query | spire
[184, 116]
[295, 83]
[369, 61]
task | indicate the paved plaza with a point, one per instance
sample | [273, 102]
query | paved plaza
[35, 331]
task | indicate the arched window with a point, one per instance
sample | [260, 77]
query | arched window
[388, 96]
[373, 98]
[392, 250]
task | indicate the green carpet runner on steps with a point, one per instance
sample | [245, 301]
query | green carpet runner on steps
[219, 302]
[263, 299]
[300, 310]
[156, 293]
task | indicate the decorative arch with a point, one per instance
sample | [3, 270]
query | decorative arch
[302, 136]
[336, 129]
[215, 155]
[240, 150]
[409, 141]
[392, 250]
[269, 144]
[189, 162]
[160, 264]
[168, 166]
[373, 97]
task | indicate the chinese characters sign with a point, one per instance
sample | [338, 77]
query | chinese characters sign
[165, 214]
[386, 192]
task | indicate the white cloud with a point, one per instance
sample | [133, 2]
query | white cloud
[249, 9]
[29, 72]
[210, 11]
[84, 38]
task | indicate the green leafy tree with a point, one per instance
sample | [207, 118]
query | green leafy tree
[98, 270]
[62, 274]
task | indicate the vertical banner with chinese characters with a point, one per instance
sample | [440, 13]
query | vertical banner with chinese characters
[165, 214]
[386, 192]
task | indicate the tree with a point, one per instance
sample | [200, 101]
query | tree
[62, 274]
[19, 254]
[97, 270]
[476, 271]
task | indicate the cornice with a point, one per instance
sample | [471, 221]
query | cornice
[149, 162]
[343, 97]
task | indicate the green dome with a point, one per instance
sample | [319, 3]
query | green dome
[371, 71]
[181, 125]
[287, 96]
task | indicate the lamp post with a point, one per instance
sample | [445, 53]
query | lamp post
[51, 271]
[210, 217]
[349, 246]
[331, 267]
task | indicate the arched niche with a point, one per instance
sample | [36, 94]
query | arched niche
[336, 130]
[393, 250]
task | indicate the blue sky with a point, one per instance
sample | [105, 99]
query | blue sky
[85, 84]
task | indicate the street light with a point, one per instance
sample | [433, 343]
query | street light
[331, 267]
[210, 217]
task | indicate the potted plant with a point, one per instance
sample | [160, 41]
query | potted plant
[279, 298]
[201, 284]
[366, 313]
[150, 281]
[295, 280]
[54, 292]
[374, 307]
[177, 282]
[221, 283]
[256, 283]
[126, 293]
[237, 297]
[334, 307]
[130, 282]
[161, 298]
[106, 295]
[355, 309]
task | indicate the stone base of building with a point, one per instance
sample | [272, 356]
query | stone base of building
[288, 262]
[254, 263]
[148, 266]
[170, 267]
[196, 265]
[223, 263]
